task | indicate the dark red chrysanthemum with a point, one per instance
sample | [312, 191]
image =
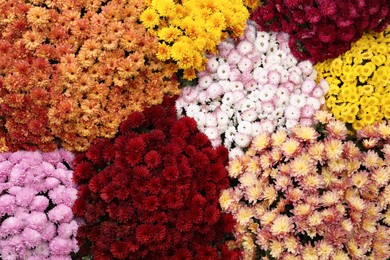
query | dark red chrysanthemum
[152, 191]
[322, 29]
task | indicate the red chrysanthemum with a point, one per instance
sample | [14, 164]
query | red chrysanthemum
[322, 29]
[152, 192]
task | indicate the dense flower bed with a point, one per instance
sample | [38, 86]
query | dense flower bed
[200, 129]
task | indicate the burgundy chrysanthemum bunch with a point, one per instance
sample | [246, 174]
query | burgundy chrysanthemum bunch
[152, 192]
[322, 29]
[36, 196]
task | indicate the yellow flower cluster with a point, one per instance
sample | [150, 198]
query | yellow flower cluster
[359, 81]
[190, 28]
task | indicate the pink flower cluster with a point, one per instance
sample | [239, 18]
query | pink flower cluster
[253, 86]
[36, 198]
[313, 193]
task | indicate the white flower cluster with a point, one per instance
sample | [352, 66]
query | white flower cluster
[250, 87]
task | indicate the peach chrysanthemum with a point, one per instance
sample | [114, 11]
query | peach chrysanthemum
[276, 248]
[384, 130]
[351, 151]
[360, 179]
[302, 210]
[330, 198]
[253, 193]
[269, 194]
[300, 166]
[290, 147]
[316, 151]
[337, 129]
[248, 179]
[309, 253]
[347, 225]
[315, 219]
[267, 218]
[356, 203]
[282, 225]
[304, 133]
[324, 250]
[381, 175]
[291, 244]
[370, 142]
[235, 168]
[278, 137]
[323, 117]
[253, 165]
[354, 249]
[226, 199]
[261, 142]
[244, 214]
[333, 148]
[340, 255]
[372, 160]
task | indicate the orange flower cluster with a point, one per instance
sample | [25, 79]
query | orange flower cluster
[71, 71]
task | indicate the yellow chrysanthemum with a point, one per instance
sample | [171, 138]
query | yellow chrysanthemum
[364, 68]
[149, 18]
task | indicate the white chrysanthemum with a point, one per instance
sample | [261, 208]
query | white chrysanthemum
[200, 118]
[235, 152]
[313, 102]
[318, 92]
[222, 118]
[245, 64]
[213, 64]
[247, 104]
[306, 67]
[230, 133]
[234, 57]
[267, 93]
[214, 90]
[205, 81]
[192, 110]
[268, 126]
[260, 75]
[261, 44]
[242, 140]
[274, 77]
[228, 98]
[292, 112]
[244, 127]
[212, 133]
[256, 129]
[290, 123]
[298, 100]
[237, 86]
[211, 120]
[268, 107]
[245, 47]
[249, 115]
[308, 85]
[223, 71]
